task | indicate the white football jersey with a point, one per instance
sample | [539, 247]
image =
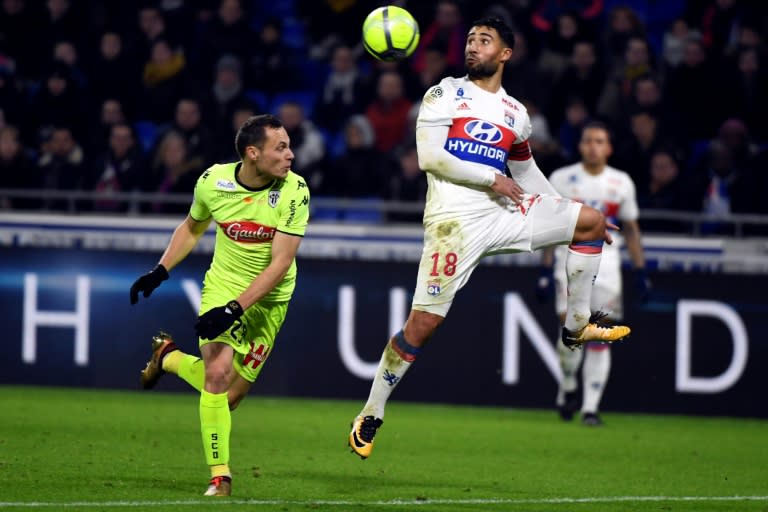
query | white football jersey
[485, 129]
[611, 192]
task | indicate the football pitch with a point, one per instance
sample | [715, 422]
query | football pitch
[78, 449]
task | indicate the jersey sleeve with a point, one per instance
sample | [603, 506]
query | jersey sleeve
[628, 210]
[294, 212]
[199, 209]
[435, 109]
[521, 150]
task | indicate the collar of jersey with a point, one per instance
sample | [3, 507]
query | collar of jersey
[246, 187]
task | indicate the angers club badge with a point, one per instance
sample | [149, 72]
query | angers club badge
[274, 197]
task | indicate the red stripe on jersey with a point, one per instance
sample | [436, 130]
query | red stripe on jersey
[520, 152]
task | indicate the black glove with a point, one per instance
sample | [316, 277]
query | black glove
[148, 282]
[217, 320]
[642, 284]
[545, 285]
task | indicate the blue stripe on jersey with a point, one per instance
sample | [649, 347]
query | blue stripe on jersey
[471, 151]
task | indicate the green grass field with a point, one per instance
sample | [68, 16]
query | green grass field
[89, 450]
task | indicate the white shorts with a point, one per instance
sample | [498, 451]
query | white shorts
[606, 293]
[454, 247]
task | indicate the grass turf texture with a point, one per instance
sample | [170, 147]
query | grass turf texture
[69, 449]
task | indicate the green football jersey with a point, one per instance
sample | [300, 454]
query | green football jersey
[246, 222]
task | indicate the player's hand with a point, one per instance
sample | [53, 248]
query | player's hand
[148, 282]
[508, 187]
[642, 284]
[608, 227]
[545, 285]
[217, 320]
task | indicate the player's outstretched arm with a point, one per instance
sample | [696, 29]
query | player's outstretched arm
[284, 249]
[430, 146]
[184, 238]
[217, 320]
[528, 174]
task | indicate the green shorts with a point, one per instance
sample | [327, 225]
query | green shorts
[252, 336]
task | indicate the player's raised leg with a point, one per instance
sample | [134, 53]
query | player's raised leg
[167, 358]
[581, 266]
[399, 353]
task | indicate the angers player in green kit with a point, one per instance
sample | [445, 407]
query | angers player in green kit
[261, 209]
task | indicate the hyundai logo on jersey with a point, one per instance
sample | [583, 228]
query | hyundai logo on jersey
[475, 140]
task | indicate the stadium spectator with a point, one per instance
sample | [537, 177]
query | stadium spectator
[66, 52]
[583, 78]
[558, 45]
[61, 166]
[675, 39]
[447, 29]
[172, 172]
[21, 24]
[745, 92]
[227, 33]
[271, 58]
[719, 22]
[225, 95]
[62, 22]
[16, 169]
[665, 190]
[684, 90]
[307, 142]
[100, 130]
[12, 100]
[225, 150]
[522, 77]
[122, 168]
[151, 29]
[112, 73]
[634, 153]
[388, 113]
[408, 183]
[546, 14]
[59, 101]
[188, 121]
[576, 117]
[618, 89]
[164, 81]
[623, 24]
[342, 94]
[359, 171]
[435, 67]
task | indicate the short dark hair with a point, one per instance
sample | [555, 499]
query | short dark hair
[597, 125]
[504, 30]
[253, 132]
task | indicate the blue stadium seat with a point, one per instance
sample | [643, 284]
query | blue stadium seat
[146, 131]
[304, 98]
[260, 98]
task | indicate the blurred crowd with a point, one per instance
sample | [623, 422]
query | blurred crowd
[144, 95]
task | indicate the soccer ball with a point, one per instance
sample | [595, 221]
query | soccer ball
[390, 33]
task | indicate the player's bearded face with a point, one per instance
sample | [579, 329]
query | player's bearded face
[479, 69]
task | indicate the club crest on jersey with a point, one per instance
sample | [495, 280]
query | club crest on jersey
[433, 288]
[273, 198]
[225, 184]
[509, 118]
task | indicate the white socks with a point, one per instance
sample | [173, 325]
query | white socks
[597, 366]
[395, 361]
[581, 266]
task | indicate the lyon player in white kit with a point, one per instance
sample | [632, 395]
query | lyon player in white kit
[592, 182]
[486, 196]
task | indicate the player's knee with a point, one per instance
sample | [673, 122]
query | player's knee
[420, 327]
[590, 226]
[217, 378]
